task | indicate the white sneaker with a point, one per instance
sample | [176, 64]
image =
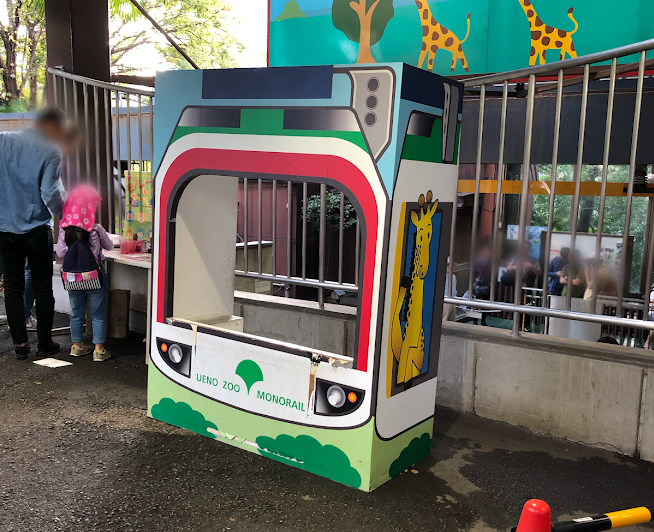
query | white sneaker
[101, 356]
[3, 319]
[76, 351]
[30, 323]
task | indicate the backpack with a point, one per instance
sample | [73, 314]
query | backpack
[81, 270]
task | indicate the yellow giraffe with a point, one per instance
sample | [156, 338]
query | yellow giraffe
[435, 36]
[409, 349]
[544, 37]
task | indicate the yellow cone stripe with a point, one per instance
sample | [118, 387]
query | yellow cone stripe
[634, 516]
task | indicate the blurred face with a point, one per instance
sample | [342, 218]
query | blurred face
[52, 131]
[69, 145]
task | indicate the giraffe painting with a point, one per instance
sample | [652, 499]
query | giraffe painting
[435, 36]
[408, 346]
[544, 37]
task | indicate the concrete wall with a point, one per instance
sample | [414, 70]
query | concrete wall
[592, 393]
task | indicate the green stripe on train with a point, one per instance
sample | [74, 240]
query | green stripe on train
[270, 122]
[429, 149]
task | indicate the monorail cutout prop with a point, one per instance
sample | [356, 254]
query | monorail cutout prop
[385, 135]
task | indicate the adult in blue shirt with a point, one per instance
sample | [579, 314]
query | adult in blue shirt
[30, 193]
[555, 271]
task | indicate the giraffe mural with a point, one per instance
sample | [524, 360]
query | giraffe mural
[435, 36]
[544, 37]
[408, 346]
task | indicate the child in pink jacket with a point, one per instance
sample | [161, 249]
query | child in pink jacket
[78, 224]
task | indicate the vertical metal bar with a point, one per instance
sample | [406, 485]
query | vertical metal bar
[274, 227]
[524, 198]
[119, 167]
[55, 91]
[498, 194]
[96, 117]
[259, 224]
[574, 212]
[650, 267]
[76, 111]
[87, 150]
[151, 137]
[245, 224]
[357, 250]
[632, 171]
[321, 243]
[304, 230]
[140, 135]
[605, 172]
[110, 175]
[475, 208]
[289, 221]
[555, 164]
[340, 238]
[67, 166]
[455, 202]
[129, 134]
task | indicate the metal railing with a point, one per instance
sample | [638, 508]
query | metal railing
[298, 227]
[566, 77]
[108, 115]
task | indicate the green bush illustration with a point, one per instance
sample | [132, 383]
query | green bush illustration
[417, 449]
[182, 415]
[307, 453]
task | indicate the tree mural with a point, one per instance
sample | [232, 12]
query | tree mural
[363, 21]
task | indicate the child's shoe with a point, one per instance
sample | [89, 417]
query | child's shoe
[101, 356]
[78, 351]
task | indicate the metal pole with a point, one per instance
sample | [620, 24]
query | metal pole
[110, 175]
[574, 212]
[605, 172]
[524, 198]
[245, 224]
[119, 166]
[340, 238]
[498, 193]
[67, 165]
[76, 111]
[630, 188]
[475, 209]
[274, 227]
[140, 135]
[289, 221]
[85, 88]
[151, 117]
[650, 266]
[304, 230]
[96, 116]
[321, 244]
[129, 134]
[555, 164]
[259, 225]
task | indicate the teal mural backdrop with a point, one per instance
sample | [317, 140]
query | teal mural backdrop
[311, 32]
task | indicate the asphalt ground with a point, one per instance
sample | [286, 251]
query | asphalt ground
[77, 453]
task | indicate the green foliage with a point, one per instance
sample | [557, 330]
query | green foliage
[332, 211]
[588, 219]
[182, 415]
[307, 453]
[349, 22]
[417, 449]
[200, 27]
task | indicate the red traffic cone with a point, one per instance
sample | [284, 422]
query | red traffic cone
[536, 517]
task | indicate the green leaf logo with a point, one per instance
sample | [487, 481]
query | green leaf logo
[250, 372]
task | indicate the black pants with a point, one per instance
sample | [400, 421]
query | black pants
[36, 246]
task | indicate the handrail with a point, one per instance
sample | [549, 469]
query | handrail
[550, 313]
[596, 57]
[100, 84]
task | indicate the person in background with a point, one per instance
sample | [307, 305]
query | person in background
[555, 271]
[482, 271]
[573, 277]
[30, 193]
[449, 310]
[79, 232]
[600, 280]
